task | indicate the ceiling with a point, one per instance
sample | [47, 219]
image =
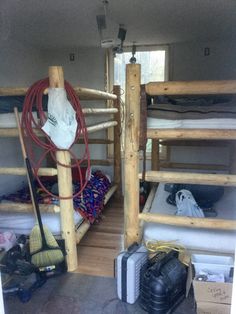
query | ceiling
[72, 23]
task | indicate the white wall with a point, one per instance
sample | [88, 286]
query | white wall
[189, 63]
[20, 66]
[86, 70]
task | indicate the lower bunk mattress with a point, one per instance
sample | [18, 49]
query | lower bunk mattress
[23, 223]
[194, 238]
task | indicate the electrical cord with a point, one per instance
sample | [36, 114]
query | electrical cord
[154, 246]
[33, 100]
[163, 246]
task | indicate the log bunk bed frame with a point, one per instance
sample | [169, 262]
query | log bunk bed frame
[68, 233]
[133, 218]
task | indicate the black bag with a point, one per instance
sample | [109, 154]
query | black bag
[205, 195]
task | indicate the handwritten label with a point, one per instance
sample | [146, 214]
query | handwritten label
[218, 293]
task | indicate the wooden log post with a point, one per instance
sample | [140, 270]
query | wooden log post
[82, 92]
[190, 222]
[147, 208]
[192, 134]
[117, 143]
[22, 171]
[131, 164]
[191, 87]
[82, 231]
[101, 126]
[56, 80]
[155, 155]
[191, 178]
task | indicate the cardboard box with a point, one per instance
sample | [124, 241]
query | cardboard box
[210, 297]
[215, 292]
[216, 264]
[212, 308]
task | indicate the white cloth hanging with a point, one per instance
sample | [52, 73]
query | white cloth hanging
[61, 125]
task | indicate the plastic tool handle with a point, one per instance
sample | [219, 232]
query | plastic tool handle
[24, 155]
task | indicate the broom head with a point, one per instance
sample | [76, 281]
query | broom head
[44, 256]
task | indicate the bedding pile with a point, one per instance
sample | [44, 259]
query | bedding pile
[8, 103]
[89, 204]
[192, 108]
[173, 112]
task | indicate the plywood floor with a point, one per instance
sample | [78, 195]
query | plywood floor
[102, 243]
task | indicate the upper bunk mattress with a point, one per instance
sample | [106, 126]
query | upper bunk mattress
[194, 238]
[214, 123]
[193, 113]
[8, 120]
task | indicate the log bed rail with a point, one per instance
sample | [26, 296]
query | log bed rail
[83, 93]
[134, 219]
[71, 236]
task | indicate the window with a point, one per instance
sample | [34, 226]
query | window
[154, 67]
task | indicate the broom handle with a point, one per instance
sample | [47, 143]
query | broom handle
[30, 178]
[34, 200]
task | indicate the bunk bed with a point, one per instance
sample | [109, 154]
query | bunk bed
[65, 209]
[165, 222]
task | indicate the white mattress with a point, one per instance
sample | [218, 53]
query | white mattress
[22, 223]
[194, 238]
[153, 123]
[8, 120]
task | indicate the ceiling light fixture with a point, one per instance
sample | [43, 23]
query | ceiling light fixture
[121, 35]
[102, 25]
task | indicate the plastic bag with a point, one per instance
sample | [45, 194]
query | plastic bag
[61, 125]
[186, 205]
[7, 240]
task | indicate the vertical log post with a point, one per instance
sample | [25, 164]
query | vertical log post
[155, 155]
[117, 144]
[56, 80]
[131, 164]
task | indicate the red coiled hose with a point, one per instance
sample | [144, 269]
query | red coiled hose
[34, 100]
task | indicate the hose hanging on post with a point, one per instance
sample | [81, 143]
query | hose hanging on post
[34, 100]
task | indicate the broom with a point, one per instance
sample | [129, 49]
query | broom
[44, 248]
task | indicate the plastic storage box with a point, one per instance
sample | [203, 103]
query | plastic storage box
[213, 264]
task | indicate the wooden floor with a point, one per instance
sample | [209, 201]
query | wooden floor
[102, 243]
